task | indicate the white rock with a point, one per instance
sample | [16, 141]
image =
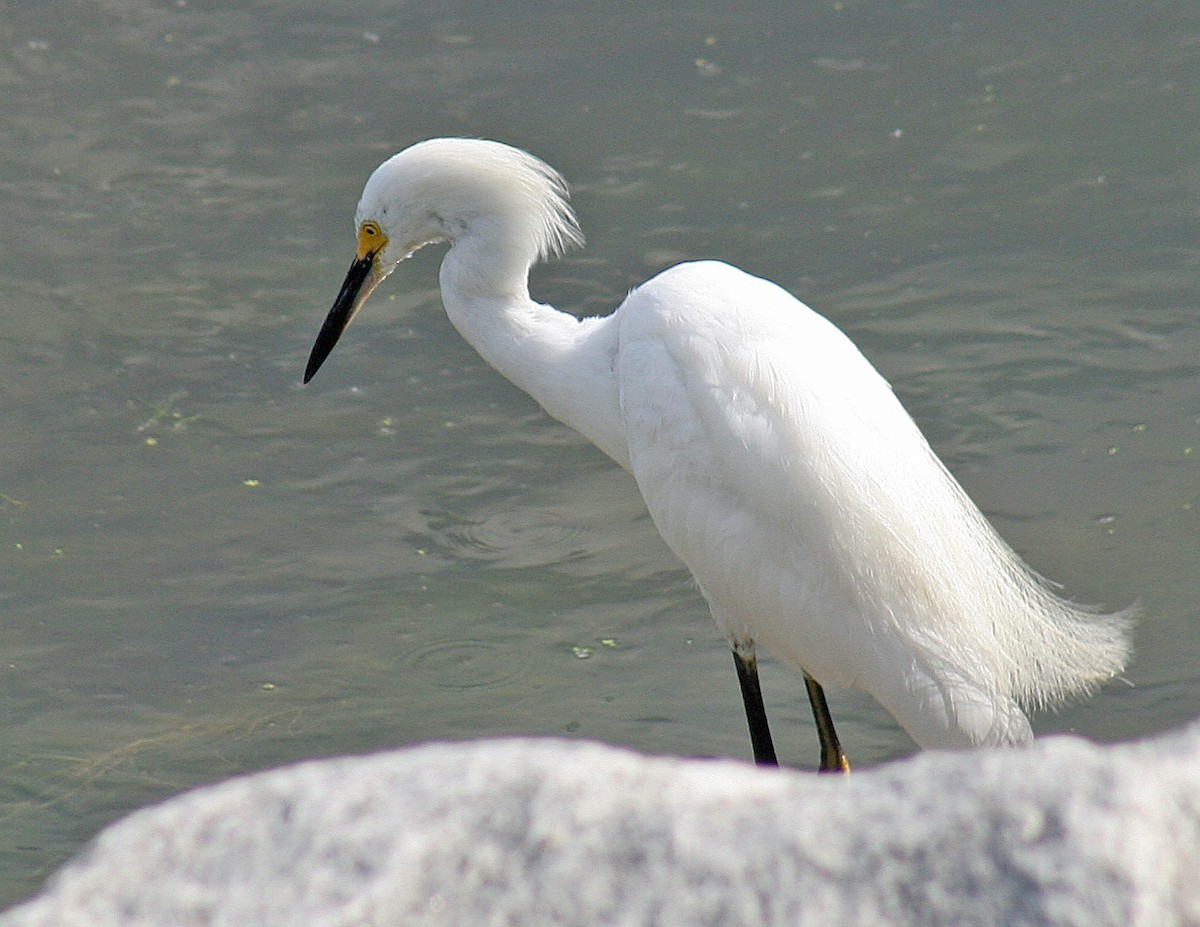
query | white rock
[524, 832]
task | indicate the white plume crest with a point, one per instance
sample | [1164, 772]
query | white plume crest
[464, 181]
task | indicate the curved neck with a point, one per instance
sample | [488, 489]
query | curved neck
[566, 364]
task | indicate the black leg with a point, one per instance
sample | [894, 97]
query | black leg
[832, 757]
[756, 714]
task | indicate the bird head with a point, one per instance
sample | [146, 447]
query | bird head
[448, 190]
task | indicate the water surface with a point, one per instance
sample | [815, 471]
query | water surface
[208, 569]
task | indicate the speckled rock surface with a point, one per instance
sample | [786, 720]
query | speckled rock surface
[543, 832]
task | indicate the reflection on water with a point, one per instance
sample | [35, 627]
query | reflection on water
[209, 569]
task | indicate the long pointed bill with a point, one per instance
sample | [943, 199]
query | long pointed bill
[360, 281]
[363, 276]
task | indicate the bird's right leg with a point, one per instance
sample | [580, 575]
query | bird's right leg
[756, 713]
[832, 757]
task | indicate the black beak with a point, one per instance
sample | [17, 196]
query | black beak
[351, 296]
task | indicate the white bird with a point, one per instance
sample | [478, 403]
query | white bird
[775, 461]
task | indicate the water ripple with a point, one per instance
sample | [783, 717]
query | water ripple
[464, 664]
[515, 538]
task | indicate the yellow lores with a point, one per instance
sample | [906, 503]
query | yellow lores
[371, 239]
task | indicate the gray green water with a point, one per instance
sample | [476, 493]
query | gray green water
[207, 569]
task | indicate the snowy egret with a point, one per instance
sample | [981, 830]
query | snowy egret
[773, 458]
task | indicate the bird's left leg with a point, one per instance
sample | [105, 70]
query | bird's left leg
[832, 757]
[756, 713]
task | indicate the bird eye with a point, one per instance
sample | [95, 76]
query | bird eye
[371, 239]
